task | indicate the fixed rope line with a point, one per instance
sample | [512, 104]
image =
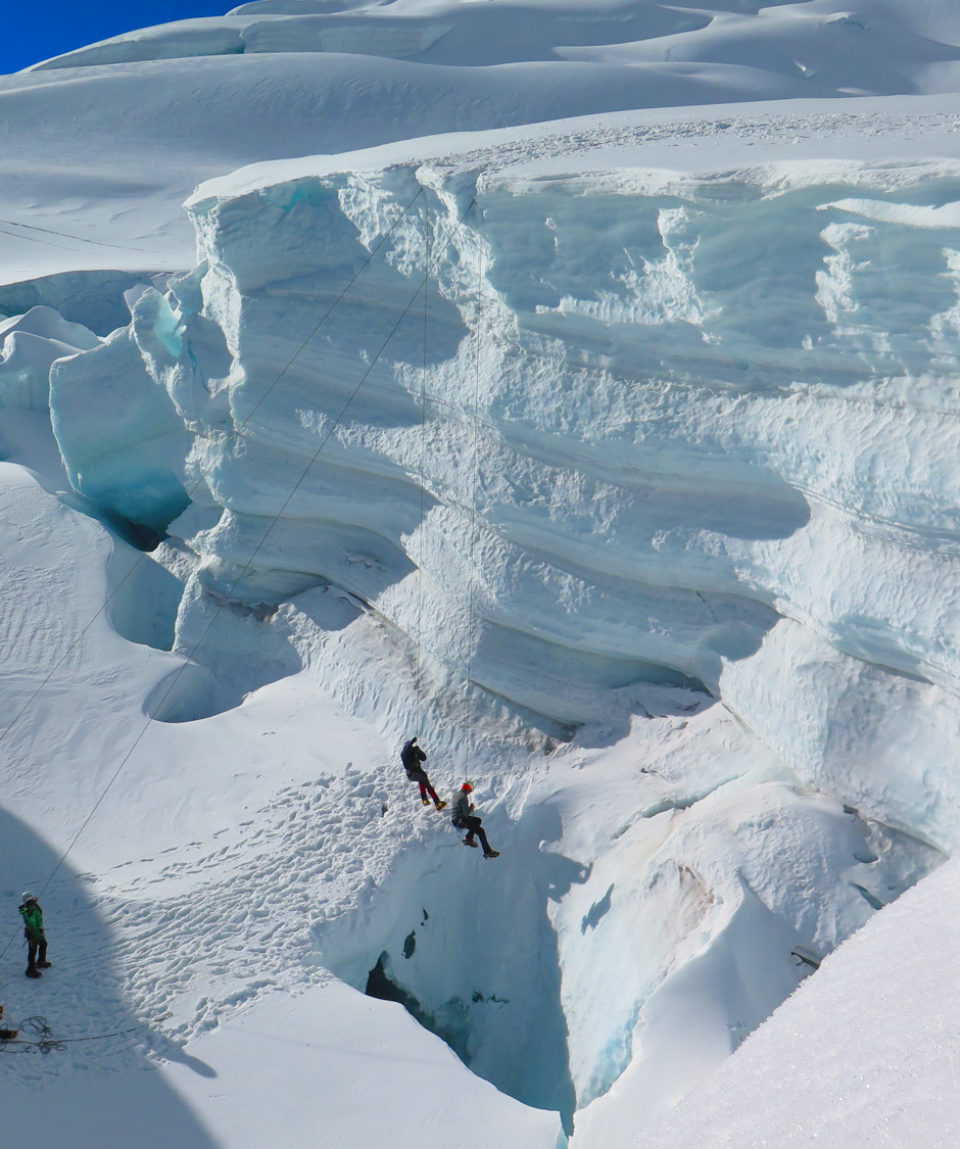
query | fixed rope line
[246, 567]
[471, 615]
[34, 239]
[193, 490]
[423, 454]
[64, 235]
[336, 302]
[189, 658]
[350, 398]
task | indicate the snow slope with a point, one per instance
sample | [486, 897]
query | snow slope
[608, 446]
[865, 1054]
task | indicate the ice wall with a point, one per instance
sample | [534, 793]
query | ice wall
[559, 440]
[569, 434]
[29, 344]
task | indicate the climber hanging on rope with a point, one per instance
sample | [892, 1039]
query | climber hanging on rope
[412, 756]
[464, 819]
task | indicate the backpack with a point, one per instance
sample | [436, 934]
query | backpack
[411, 756]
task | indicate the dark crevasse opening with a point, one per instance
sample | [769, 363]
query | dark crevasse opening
[491, 992]
[544, 1081]
[381, 985]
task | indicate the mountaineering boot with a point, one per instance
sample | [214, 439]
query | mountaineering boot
[441, 805]
[492, 854]
[425, 801]
[44, 964]
[469, 842]
[32, 971]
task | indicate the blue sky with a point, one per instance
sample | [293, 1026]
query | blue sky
[32, 30]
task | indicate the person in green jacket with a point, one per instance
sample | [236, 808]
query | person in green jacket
[32, 916]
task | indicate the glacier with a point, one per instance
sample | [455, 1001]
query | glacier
[614, 455]
[563, 480]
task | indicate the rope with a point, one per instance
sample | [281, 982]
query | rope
[71, 647]
[423, 451]
[437, 400]
[323, 318]
[343, 410]
[196, 646]
[44, 1040]
[469, 741]
[64, 235]
[246, 567]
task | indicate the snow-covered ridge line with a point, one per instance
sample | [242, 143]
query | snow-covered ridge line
[800, 49]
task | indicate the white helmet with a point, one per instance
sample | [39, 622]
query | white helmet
[28, 897]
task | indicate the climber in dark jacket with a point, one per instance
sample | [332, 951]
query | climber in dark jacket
[464, 819]
[411, 756]
[32, 916]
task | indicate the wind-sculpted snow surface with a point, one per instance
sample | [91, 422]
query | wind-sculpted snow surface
[696, 53]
